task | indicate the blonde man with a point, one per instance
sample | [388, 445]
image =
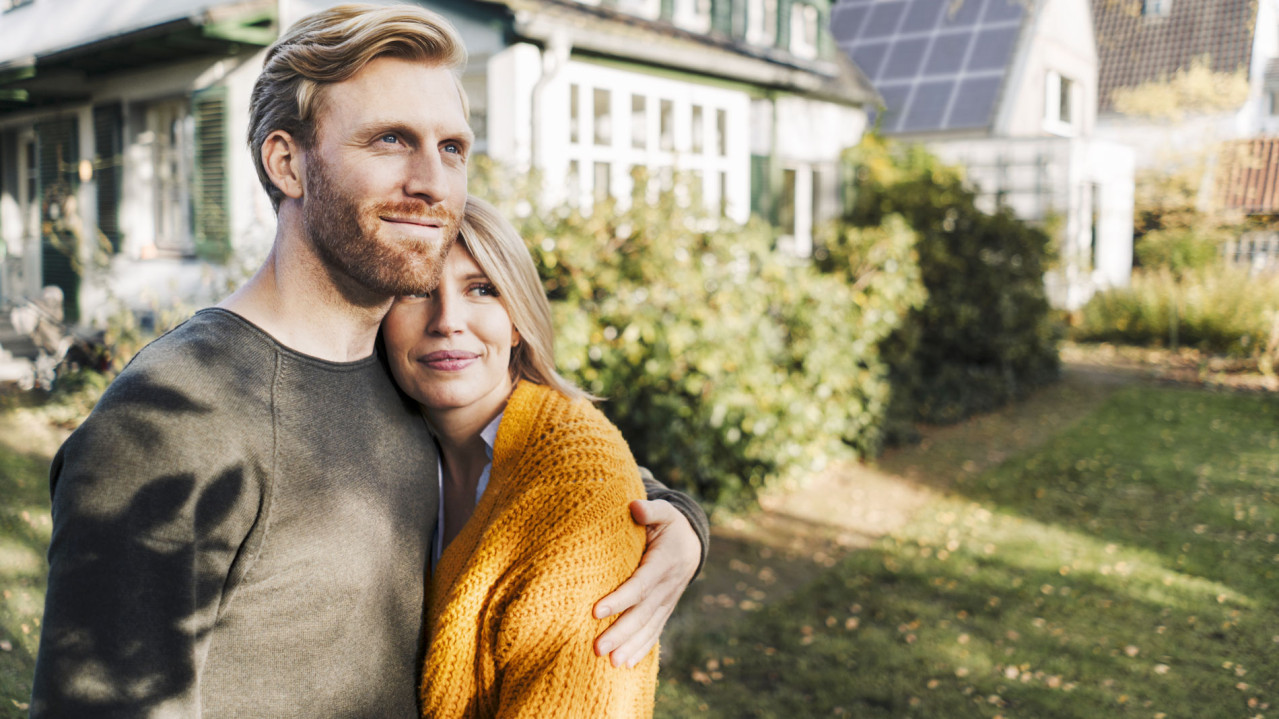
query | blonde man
[241, 527]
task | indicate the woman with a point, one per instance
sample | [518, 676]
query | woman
[527, 543]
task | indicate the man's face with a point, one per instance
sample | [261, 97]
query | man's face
[385, 179]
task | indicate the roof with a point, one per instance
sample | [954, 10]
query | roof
[938, 64]
[46, 28]
[1248, 175]
[1133, 49]
[605, 31]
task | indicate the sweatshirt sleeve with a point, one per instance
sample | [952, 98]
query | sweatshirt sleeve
[686, 505]
[545, 658]
[149, 512]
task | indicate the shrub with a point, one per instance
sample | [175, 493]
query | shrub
[986, 333]
[1179, 250]
[1220, 310]
[725, 364]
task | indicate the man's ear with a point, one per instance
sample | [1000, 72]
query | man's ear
[282, 159]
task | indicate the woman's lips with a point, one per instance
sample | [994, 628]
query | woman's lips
[448, 360]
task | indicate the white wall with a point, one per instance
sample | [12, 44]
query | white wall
[1060, 39]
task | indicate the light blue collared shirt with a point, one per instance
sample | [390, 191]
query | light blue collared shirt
[489, 435]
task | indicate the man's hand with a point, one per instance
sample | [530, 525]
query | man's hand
[646, 600]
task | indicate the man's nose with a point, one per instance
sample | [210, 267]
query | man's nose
[426, 176]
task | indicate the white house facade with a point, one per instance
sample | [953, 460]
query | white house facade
[124, 171]
[1007, 89]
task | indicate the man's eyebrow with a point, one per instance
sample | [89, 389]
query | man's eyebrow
[377, 127]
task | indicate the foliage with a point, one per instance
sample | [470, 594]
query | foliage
[986, 333]
[1125, 569]
[1180, 250]
[1191, 90]
[724, 363]
[1218, 310]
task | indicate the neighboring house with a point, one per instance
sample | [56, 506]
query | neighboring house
[1007, 89]
[1179, 76]
[126, 123]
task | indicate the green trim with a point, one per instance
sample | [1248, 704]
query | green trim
[15, 74]
[260, 28]
[14, 96]
[211, 196]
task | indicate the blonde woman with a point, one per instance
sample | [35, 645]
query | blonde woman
[534, 524]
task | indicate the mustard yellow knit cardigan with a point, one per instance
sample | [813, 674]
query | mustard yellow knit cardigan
[509, 616]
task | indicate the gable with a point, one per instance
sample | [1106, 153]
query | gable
[1133, 48]
[938, 64]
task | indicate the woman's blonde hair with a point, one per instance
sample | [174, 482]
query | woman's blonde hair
[501, 253]
[331, 46]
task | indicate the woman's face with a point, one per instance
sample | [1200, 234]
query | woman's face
[451, 348]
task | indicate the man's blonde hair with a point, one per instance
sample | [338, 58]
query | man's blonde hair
[502, 255]
[331, 46]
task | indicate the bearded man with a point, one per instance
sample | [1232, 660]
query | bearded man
[241, 527]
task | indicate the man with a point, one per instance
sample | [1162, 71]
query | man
[241, 528]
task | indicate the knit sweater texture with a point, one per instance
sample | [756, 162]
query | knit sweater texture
[509, 618]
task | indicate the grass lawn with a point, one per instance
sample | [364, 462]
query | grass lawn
[1126, 568]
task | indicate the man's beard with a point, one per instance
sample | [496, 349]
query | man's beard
[346, 236]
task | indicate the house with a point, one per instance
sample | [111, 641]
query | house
[1007, 89]
[1178, 77]
[123, 173]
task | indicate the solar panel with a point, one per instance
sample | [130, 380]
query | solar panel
[992, 49]
[928, 105]
[938, 64]
[846, 20]
[974, 103]
[904, 59]
[923, 15]
[884, 18]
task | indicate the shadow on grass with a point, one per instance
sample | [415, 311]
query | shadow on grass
[1125, 568]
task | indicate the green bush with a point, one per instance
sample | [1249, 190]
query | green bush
[724, 363]
[986, 333]
[1179, 250]
[1220, 310]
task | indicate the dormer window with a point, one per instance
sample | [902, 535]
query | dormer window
[803, 31]
[761, 22]
[1059, 104]
[1156, 8]
[693, 15]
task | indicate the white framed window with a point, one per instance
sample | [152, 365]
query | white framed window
[1273, 96]
[803, 30]
[1059, 103]
[804, 203]
[671, 128]
[761, 22]
[694, 15]
[170, 132]
[1156, 8]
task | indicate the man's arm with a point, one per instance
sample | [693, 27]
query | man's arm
[678, 535]
[144, 535]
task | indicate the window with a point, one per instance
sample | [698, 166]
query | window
[574, 114]
[644, 8]
[721, 131]
[603, 118]
[169, 131]
[1274, 103]
[1156, 8]
[698, 128]
[803, 31]
[668, 125]
[761, 22]
[693, 15]
[1059, 103]
[639, 122]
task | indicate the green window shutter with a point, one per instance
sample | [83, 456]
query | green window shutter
[783, 23]
[108, 167]
[58, 154]
[211, 191]
[722, 16]
[762, 187]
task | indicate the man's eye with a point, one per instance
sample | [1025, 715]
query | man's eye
[389, 138]
[453, 147]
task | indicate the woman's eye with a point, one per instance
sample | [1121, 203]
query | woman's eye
[484, 290]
